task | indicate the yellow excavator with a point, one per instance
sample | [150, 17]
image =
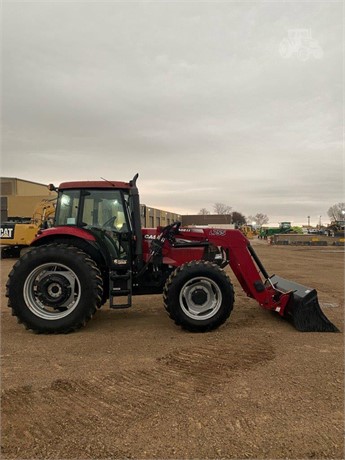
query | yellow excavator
[248, 231]
[15, 236]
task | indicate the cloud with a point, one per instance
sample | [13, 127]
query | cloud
[196, 97]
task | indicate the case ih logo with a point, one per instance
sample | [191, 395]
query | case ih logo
[189, 230]
[7, 231]
[150, 237]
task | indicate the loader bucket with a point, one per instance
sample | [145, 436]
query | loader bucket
[303, 307]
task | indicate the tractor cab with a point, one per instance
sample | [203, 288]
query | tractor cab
[102, 218]
[285, 226]
[90, 207]
[93, 209]
[101, 210]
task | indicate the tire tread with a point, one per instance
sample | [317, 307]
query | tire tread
[83, 259]
[171, 308]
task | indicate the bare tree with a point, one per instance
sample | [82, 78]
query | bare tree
[337, 211]
[238, 218]
[203, 212]
[260, 219]
[221, 208]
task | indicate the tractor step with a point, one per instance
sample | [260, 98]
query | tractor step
[123, 276]
[120, 288]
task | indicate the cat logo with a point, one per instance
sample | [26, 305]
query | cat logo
[6, 232]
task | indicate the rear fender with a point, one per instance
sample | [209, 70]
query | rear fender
[57, 232]
[77, 237]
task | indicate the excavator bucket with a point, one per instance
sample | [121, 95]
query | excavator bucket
[303, 307]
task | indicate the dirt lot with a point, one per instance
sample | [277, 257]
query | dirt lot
[133, 385]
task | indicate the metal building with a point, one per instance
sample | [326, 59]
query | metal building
[19, 197]
[221, 220]
[152, 217]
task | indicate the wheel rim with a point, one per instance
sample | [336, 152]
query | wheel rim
[52, 291]
[200, 298]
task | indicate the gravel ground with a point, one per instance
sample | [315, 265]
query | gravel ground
[131, 384]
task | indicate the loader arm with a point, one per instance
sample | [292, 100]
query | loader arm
[291, 300]
[245, 264]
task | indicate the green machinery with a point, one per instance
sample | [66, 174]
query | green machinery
[284, 227]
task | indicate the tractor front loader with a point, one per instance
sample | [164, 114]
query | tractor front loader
[97, 252]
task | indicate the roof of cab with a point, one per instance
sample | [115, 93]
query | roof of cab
[94, 184]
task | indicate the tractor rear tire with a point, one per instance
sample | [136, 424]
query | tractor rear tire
[54, 289]
[198, 296]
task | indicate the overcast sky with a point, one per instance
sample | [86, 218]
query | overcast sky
[208, 101]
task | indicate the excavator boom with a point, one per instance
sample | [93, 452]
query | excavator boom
[14, 236]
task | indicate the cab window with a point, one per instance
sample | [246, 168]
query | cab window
[104, 209]
[67, 207]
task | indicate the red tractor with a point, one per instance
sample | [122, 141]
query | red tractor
[97, 251]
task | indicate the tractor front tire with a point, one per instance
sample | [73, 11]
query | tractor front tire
[54, 289]
[198, 296]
